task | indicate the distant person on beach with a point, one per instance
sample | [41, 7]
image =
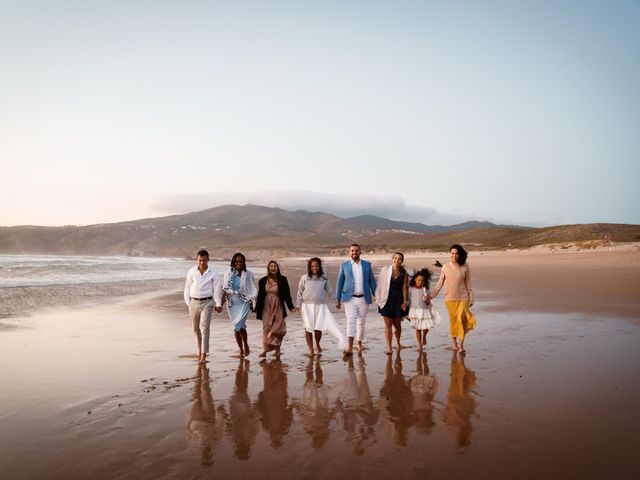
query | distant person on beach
[355, 287]
[313, 289]
[422, 315]
[273, 295]
[201, 289]
[392, 298]
[458, 297]
[240, 294]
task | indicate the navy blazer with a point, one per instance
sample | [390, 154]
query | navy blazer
[345, 286]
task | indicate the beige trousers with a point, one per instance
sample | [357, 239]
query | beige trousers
[200, 312]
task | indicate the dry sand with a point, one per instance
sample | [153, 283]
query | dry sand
[548, 388]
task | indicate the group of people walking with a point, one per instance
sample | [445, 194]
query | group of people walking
[399, 294]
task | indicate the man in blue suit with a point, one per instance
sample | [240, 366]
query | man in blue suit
[355, 288]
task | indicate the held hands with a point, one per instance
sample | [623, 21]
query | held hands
[338, 305]
[218, 309]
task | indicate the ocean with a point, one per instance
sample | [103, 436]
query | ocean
[29, 282]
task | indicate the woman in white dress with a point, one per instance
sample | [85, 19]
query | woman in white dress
[313, 289]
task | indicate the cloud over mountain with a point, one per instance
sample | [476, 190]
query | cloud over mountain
[344, 205]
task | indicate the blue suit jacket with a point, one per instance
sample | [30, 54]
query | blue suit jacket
[345, 285]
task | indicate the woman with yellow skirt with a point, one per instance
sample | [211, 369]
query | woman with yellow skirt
[458, 296]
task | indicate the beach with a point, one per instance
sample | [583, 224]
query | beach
[548, 387]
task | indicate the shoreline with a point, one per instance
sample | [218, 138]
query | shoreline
[592, 283]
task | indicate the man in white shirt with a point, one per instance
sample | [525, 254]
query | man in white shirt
[201, 289]
[355, 288]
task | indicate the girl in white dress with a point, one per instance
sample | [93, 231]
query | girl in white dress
[422, 315]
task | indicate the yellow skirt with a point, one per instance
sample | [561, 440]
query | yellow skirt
[457, 326]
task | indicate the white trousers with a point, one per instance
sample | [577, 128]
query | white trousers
[356, 312]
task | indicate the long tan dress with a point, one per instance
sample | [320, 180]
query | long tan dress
[273, 321]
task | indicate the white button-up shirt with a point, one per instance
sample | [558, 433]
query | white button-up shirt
[203, 285]
[356, 269]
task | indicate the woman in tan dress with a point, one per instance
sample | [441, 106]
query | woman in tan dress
[273, 295]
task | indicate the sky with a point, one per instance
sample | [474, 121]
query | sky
[521, 112]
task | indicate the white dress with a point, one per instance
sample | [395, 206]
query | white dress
[314, 310]
[421, 316]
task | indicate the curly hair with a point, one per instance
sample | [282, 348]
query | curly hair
[424, 273]
[244, 260]
[309, 262]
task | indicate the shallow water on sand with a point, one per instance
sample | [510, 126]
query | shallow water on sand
[114, 391]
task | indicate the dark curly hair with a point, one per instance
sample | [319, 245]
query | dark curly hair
[309, 262]
[424, 273]
[233, 261]
[462, 253]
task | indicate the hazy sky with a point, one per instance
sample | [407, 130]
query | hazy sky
[434, 111]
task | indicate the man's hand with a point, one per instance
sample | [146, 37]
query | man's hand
[218, 309]
[338, 305]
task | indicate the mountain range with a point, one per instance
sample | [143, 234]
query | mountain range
[264, 231]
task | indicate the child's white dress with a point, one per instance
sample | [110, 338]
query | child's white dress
[421, 315]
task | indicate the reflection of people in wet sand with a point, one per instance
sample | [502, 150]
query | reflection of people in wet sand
[359, 415]
[202, 425]
[395, 401]
[461, 405]
[424, 386]
[315, 413]
[241, 422]
[272, 404]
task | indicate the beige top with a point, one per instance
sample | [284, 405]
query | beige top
[457, 282]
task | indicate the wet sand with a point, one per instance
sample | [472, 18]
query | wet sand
[548, 388]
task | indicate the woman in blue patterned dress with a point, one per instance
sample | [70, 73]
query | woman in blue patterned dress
[240, 294]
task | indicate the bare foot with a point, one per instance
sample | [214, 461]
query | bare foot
[389, 352]
[318, 348]
[203, 358]
[311, 354]
[462, 351]
[360, 347]
[419, 349]
[246, 350]
[348, 352]
[263, 354]
[400, 347]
